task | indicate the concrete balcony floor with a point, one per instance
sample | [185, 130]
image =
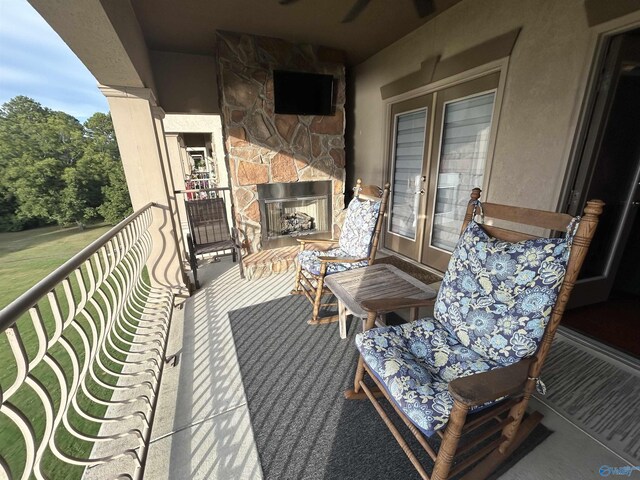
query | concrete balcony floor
[203, 429]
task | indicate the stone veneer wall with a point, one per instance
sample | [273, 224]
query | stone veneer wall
[266, 148]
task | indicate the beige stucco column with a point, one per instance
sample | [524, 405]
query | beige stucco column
[138, 128]
[175, 200]
[174, 149]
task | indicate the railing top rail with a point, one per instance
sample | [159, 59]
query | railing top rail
[10, 314]
[213, 189]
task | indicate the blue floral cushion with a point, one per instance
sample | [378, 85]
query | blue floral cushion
[310, 262]
[358, 227]
[415, 362]
[496, 297]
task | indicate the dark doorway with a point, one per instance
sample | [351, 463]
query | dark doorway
[606, 300]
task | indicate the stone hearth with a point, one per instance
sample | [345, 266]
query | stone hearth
[263, 147]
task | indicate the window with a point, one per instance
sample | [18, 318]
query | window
[407, 172]
[463, 154]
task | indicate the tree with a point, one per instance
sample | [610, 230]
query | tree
[117, 203]
[101, 140]
[55, 170]
[37, 186]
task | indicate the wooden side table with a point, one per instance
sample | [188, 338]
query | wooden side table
[353, 287]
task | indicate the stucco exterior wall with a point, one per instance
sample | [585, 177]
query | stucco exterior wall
[544, 87]
[185, 83]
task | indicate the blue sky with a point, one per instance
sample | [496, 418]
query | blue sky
[34, 61]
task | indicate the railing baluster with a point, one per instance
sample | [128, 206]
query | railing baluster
[119, 326]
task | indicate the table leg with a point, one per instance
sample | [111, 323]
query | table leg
[342, 319]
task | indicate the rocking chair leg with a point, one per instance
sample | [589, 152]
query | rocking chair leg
[355, 394]
[492, 461]
[450, 441]
[296, 288]
[517, 413]
[319, 288]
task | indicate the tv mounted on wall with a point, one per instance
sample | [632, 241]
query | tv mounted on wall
[299, 93]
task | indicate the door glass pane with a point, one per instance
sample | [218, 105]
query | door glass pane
[407, 172]
[463, 153]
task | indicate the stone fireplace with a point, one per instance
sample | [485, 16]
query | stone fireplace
[291, 210]
[263, 148]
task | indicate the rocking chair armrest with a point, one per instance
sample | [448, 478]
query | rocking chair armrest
[484, 387]
[341, 259]
[316, 240]
[390, 304]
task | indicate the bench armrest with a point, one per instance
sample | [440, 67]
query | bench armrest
[390, 304]
[481, 388]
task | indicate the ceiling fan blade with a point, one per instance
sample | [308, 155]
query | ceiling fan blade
[424, 7]
[357, 8]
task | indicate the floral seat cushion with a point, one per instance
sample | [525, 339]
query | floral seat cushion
[309, 261]
[358, 227]
[415, 363]
[496, 297]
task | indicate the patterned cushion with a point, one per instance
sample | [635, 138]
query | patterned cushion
[310, 262]
[415, 362]
[358, 227]
[496, 297]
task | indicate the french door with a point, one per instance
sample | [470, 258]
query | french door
[410, 146]
[439, 149]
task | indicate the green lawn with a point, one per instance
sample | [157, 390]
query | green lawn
[25, 258]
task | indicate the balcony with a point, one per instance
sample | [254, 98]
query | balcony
[113, 375]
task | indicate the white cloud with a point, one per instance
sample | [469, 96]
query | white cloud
[34, 61]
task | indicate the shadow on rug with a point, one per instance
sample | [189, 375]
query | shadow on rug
[294, 376]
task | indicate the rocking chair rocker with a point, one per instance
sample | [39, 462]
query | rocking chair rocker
[479, 360]
[356, 248]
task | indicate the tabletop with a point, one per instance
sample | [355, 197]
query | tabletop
[376, 281]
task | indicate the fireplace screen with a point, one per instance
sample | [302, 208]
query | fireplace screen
[296, 217]
[296, 210]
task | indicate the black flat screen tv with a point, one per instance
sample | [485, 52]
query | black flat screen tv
[299, 93]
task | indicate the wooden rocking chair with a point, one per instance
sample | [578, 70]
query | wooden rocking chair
[479, 371]
[356, 248]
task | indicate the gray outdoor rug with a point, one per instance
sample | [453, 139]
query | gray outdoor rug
[294, 376]
[600, 396]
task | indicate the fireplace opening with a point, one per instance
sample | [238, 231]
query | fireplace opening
[290, 210]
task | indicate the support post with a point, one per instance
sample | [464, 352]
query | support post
[141, 142]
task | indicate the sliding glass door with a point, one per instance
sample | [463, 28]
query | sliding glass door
[435, 165]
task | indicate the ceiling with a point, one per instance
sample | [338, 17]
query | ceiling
[189, 26]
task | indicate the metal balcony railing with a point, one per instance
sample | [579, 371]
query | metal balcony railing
[81, 360]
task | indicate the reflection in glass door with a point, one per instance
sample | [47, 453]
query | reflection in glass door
[407, 173]
[463, 121]
[465, 142]
[409, 142]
